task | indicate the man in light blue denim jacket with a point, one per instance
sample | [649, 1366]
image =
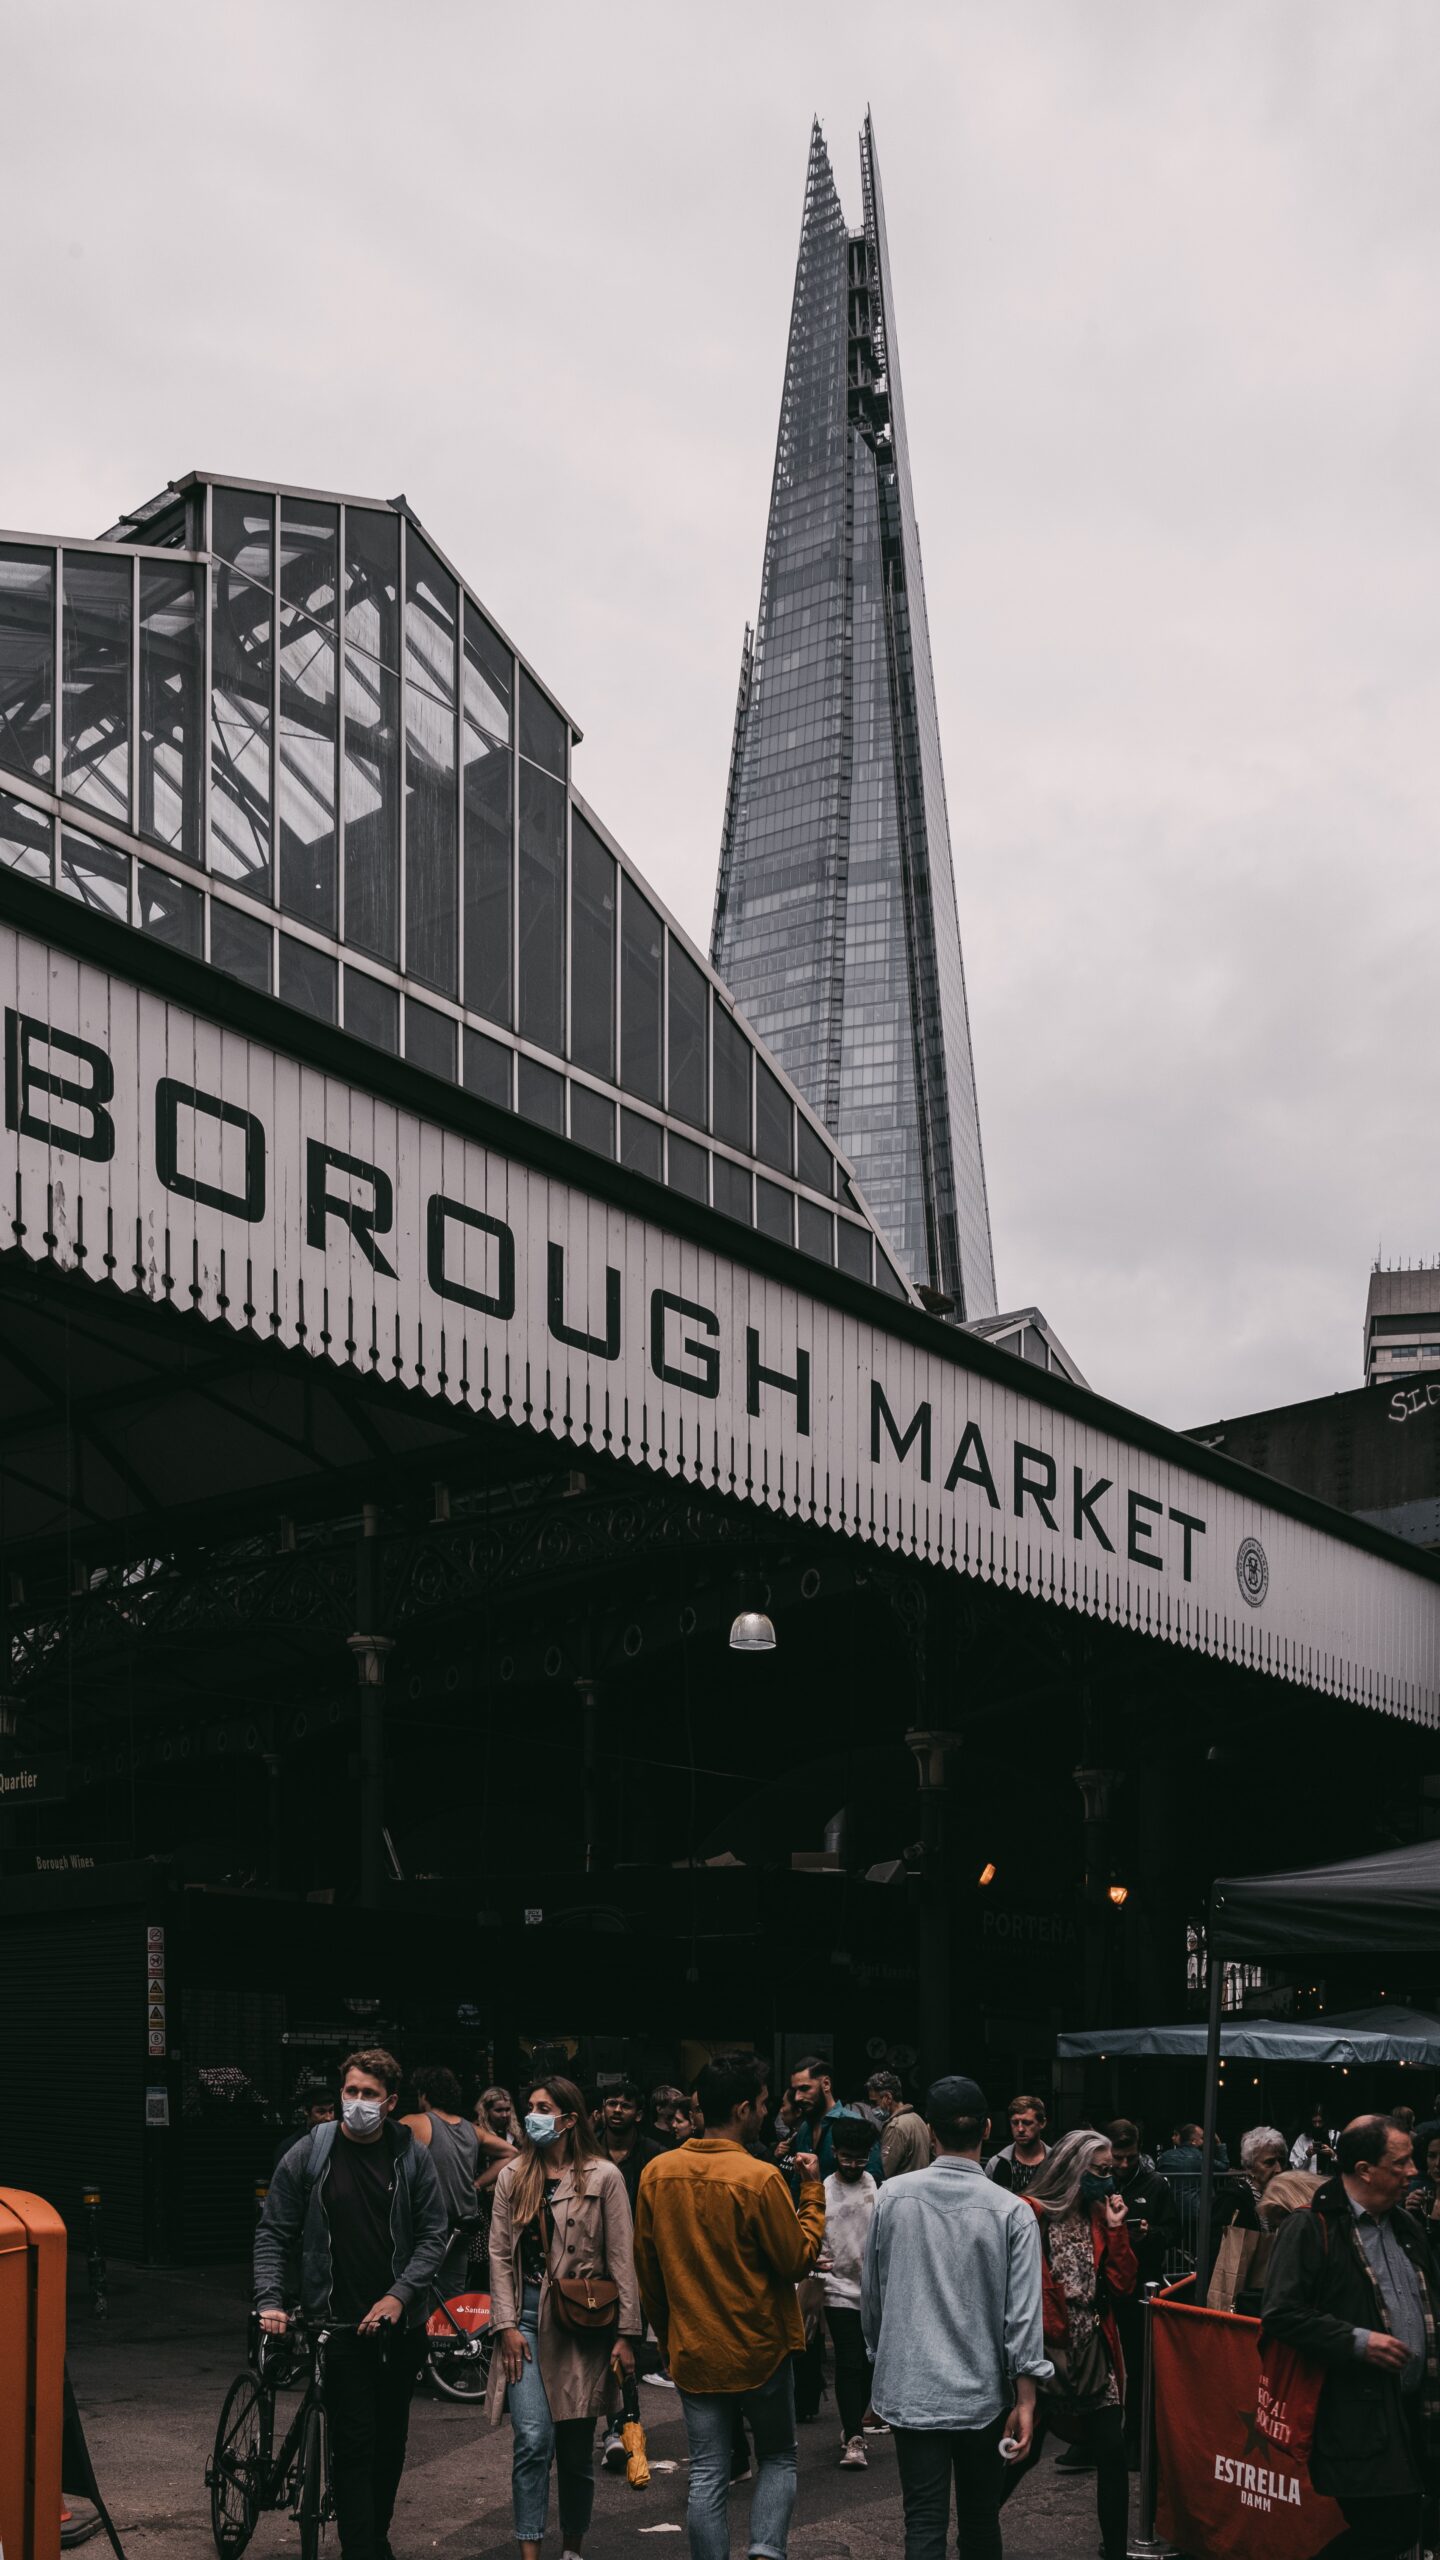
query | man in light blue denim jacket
[950, 2306]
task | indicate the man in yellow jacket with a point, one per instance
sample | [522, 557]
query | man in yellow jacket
[719, 2250]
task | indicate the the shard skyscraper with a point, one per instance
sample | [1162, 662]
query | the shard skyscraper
[835, 920]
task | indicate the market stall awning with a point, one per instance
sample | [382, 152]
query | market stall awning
[1388, 1905]
[1384, 2034]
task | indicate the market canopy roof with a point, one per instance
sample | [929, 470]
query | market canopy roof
[1388, 1905]
[1385, 2034]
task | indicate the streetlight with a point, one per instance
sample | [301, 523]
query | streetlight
[752, 1632]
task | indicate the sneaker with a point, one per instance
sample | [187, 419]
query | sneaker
[874, 2426]
[853, 2456]
[1077, 2459]
[613, 2456]
[661, 2380]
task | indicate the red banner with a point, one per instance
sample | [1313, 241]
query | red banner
[1226, 2492]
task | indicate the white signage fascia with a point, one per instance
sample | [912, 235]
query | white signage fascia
[196, 1166]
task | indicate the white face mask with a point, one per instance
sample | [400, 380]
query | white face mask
[541, 2127]
[362, 2115]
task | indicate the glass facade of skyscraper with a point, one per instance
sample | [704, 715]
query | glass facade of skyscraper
[835, 915]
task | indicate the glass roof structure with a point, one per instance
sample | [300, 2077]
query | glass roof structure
[835, 916]
[274, 728]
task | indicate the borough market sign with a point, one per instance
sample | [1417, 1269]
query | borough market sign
[196, 1165]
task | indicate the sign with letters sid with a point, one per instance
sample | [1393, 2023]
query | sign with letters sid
[199, 1167]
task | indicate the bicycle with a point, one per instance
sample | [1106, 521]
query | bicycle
[246, 2475]
[458, 2343]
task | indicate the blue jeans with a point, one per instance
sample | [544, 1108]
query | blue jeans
[539, 2442]
[709, 2424]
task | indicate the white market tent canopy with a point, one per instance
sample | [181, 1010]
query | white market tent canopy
[1388, 2033]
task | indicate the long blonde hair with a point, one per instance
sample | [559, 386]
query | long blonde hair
[1055, 2188]
[536, 2159]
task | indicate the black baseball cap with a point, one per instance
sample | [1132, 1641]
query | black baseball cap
[954, 2095]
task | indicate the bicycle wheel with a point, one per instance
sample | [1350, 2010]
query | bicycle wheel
[458, 2375]
[310, 2505]
[237, 2467]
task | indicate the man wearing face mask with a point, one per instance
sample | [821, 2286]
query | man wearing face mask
[360, 2203]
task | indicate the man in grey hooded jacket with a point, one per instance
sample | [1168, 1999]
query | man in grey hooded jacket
[950, 2309]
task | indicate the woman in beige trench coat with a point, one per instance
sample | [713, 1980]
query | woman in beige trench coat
[560, 2210]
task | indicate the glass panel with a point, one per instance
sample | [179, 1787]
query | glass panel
[733, 1189]
[489, 876]
[308, 979]
[431, 842]
[542, 909]
[169, 910]
[488, 1068]
[887, 1278]
[372, 584]
[309, 712]
[95, 681]
[592, 1120]
[816, 1230]
[542, 731]
[732, 1081]
[240, 945]
[640, 939]
[27, 661]
[774, 1114]
[689, 1167]
[592, 950]
[854, 1243]
[641, 1143]
[813, 1160]
[689, 996]
[371, 797]
[489, 673]
[774, 1210]
[95, 874]
[430, 1039]
[242, 531]
[372, 1010]
[540, 1094]
[25, 838]
[241, 642]
[431, 810]
[172, 731]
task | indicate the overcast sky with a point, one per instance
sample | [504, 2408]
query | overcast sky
[1167, 275]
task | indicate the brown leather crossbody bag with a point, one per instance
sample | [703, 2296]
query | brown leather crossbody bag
[589, 2304]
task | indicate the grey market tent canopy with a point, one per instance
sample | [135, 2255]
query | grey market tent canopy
[1388, 1905]
[1384, 2034]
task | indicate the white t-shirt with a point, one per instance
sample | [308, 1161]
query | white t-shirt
[849, 2208]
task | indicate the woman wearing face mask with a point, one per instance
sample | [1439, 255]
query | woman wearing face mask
[1087, 2262]
[561, 2217]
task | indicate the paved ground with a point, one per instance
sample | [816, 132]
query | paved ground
[150, 2380]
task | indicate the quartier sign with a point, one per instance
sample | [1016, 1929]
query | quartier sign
[197, 1166]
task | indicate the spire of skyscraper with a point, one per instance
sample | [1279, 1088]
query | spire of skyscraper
[835, 917]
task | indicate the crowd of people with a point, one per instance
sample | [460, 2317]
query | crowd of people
[976, 2296]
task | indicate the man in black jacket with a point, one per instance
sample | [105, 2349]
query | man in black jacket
[1153, 2219]
[1351, 2284]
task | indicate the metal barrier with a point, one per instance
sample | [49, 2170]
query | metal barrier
[1142, 2544]
[96, 2268]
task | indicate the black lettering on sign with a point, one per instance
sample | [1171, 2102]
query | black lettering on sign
[170, 1098]
[438, 1212]
[1085, 1507]
[1192, 1528]
[24, 1079]
[1137, 1545]
[971, 1466]
[919, 1423]
[756, 1377]
[365, 1219]
[707, 1383]
[605, 1346]
[1040, 1487]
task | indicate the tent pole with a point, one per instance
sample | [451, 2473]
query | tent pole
[1215, 1971]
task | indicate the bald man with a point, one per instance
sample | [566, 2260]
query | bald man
[1352, 2284]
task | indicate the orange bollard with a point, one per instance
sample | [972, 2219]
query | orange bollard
[32, 2375]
